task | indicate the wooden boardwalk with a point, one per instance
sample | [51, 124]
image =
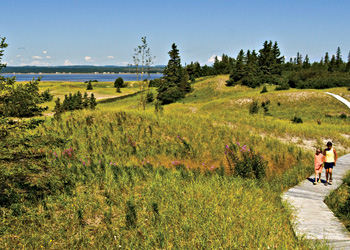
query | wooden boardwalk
[313, 219]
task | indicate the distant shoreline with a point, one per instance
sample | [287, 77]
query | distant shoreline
[96, 73]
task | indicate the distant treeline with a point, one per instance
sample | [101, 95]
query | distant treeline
[77, 69]
[267, 66]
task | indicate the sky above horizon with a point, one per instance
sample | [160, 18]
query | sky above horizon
[105, 32]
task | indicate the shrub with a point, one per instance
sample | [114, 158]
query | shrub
[282, 86]
[264, 90]
[118, 82]
[46, 96]
[89, 86]
[297, 120]
[149, 97]
[343, 116]
[254, 107]
[245, 163]
[265, 106]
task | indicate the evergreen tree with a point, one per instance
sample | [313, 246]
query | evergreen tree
[93, 102]
[57, 108]
[338, 60]
[185, 85]
[169, 90]
[306, 63]
[89, 86]
[239, 71]
[65, 105]
[332, 65]
[118, 82]
[326, 58]
[86, 101]
[79, 101]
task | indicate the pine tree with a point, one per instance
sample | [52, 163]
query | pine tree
[93, 102]
[306, 63]
[89, 86]
[57, 108]
[332, 65]
[79, 101]
[326, 58]
[169, 90]
[239, 71]
[338, 60]
[86, 101]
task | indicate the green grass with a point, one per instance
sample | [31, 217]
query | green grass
[144, 180]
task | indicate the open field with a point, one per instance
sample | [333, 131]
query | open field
[131, 179]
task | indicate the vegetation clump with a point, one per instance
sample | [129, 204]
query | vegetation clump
[297, 120]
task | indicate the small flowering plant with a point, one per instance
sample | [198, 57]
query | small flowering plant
[244, 162]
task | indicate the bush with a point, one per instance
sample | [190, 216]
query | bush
[282, 86]
[297, 120]
[254, 107]
[89, 86]
[243, 162]
[149, 97]
[46, 96]
[118, 82]
[170, 95]
[343, 116]
[264, 90]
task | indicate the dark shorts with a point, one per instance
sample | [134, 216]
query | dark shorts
[328, 165]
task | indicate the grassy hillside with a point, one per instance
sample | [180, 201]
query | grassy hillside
[119, 177]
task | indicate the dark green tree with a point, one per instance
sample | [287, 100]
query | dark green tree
[93, 102]
[86, 101]
[338, 60]
[118, 82]
[79, 101]
[306, 63]
[89, 86]
[239, 71]
[170, 91]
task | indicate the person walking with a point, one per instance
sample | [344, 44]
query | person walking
[330, 160]
[319, 158]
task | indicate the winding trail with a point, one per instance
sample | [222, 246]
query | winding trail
[312, 218]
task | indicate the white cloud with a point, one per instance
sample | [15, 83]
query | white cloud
[37, 57]
[67, 63]
[36, 63]
[18, 56]
[45, 52]
[88, 59]
[211, 60]
[24, 59]
[110, 57]
[48, 57]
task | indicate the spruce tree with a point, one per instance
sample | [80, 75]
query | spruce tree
[338, 60]
[79, 101]
[239, 71]
[57, 108]
[93, 102]
[86, 101]
[306, 63]
[89, 86]
[169, 90]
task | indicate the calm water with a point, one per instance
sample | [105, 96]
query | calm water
[80, 77]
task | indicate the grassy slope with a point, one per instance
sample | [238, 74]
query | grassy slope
[138, 161]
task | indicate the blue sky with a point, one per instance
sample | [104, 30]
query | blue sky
[105, 32]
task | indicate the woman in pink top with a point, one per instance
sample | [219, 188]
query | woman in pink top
[318, 165]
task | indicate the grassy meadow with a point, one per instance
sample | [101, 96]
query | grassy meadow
[123, 178]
